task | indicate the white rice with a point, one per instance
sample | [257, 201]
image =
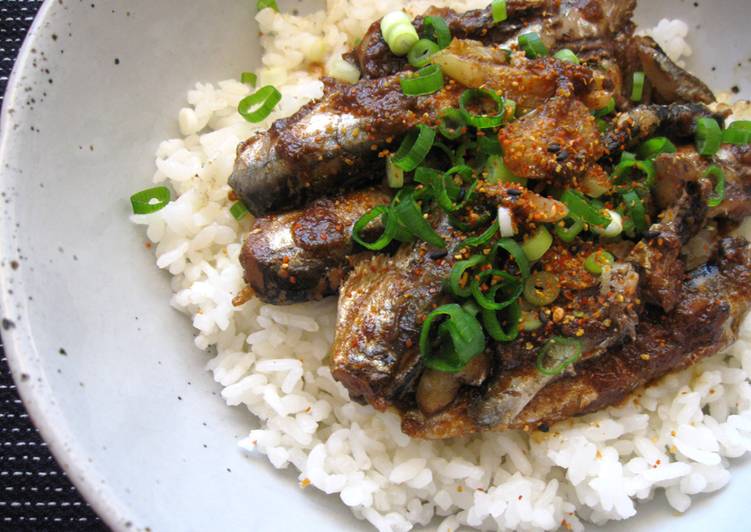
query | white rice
[676, 437]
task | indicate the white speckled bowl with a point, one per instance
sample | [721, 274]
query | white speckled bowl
[105, 367]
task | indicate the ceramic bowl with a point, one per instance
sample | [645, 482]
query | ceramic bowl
[106, 368]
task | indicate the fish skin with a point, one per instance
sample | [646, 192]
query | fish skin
[305, 255]
[334, 143]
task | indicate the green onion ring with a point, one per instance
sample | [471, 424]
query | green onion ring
[437, 30]
[249, 78]
[559, 347]
[538, 244]
[637, 92]
[493, 326]
[419, 55]
[636, 211]
[595, 263]
[605, 111]
[569, 234]
[533, 45]
[458, 271]
[414, 148]
[582, 209]
[449, 117]
[388, 232]
[444, 192]
[515, 251]
[259, 105]
[718, 196]
[150, 200]
[542, 288]
[481, 240]
[489, 145]
[467, 339]
[708, 136]
[427, 80]
[499, 10]
[654, 147]
[239, 211]
[645, 167]
[263, 4]
[737, 137]
[408, 214]
[483, 121]
[568, 56]
[507, 280]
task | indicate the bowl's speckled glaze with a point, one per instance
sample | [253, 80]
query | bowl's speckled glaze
[104, 365]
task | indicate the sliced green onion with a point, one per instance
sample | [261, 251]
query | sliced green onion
[560, 351]
[597, 260]
[626, 167]
[249, 78]
[437, 30]
[708, 136]
[398, 32]
[614, 229]
[512, 284]
[259, 105]
[414, 148]
[567, 56]
[385, 239]
[498, 172]
[409, 215]
[515, 252]
[737, 137]
[628, 156]
[605, 111]
[716, 199]
[263, 4]
[538, 244]
[419, 54]
[569, 234]
[489, 145]
[483, 121]
[446, 194]
[533, 45]
[465, 332]
[150, 200]
[427, 80]
[499, 10]
[484, 238]
[394, 174]
[493, 326]
[636, 211]
[654, 147]
[453, 124]
[426, 176]
[738, 133]
[582, 209]
[239, 211]
[637, 92]
[602, 125]
[542, 288]
[458, 272]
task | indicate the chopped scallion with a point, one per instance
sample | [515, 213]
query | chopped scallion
[595, 263]
[239, 211]
[483, 121]
[561, 353]
[718, 196]
[427, 80]
[538, 244]
[654, 147]
[263, 4]
[437, 30]
[467, 339]
[259, 105]
[499, 11]
[542, 288]
[567, 56]
[533, 45]
[637, 91]
[708, 136]
[249, 78]
[150, 200]
[419, 54]
[414, 148]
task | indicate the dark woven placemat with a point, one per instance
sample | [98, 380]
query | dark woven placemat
[34, 492]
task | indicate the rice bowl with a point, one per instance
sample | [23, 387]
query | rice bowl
[676, 437]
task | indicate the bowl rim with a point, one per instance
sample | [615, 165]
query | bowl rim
[18, 344]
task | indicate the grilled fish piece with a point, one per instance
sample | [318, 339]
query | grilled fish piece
[713, 302]
[676, 121]
[376, 60]
[328, 143]
[612, 317]
[305, 255]
[670, 83]
[381, 309]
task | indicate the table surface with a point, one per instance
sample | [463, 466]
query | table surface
[35, 494]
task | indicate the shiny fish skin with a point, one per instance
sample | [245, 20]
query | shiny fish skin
[334, 143]
[305, 255]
